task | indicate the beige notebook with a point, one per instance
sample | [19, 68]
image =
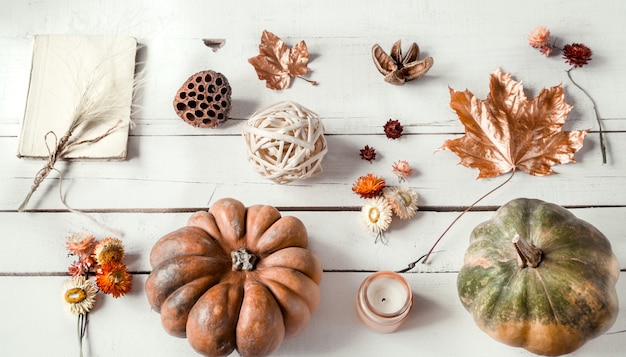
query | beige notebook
[73, 73]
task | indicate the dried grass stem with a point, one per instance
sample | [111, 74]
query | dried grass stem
[595, 110]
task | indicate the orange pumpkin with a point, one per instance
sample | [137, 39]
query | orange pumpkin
[235, 278]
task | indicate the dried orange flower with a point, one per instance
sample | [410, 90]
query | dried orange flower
[539, 37]
[109, 250]
[402, 169]
[80, 243]
[369, 186]
[577, 54]
[368, 153]
[113, 278]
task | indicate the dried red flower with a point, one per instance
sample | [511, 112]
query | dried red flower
[113, 278]
[368, 153]
[577, 54]
[369, 186]
[393, 129]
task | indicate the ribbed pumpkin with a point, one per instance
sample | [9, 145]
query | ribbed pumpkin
[235, 278]
[537, 277]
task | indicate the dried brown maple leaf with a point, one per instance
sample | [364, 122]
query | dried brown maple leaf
[507, 131]
[276, 63]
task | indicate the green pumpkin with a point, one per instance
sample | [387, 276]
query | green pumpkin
[537, 277]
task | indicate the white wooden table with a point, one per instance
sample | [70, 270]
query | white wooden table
[174, 169]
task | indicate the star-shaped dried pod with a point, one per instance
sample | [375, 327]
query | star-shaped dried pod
[398, 69]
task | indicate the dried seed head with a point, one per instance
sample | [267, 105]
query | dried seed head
[204, 99]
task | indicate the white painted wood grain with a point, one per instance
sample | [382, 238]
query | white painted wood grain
[337, 238]
[175, 172]
[437, 326]
[466, 49]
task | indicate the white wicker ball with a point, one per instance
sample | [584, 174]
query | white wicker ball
[285, 142]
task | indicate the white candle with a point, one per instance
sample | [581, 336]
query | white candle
[387, 295]
[384, 301]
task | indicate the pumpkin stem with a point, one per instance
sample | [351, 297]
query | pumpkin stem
[243, 259]
[528, 253]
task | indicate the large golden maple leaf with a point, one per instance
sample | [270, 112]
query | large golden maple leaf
[507, 131]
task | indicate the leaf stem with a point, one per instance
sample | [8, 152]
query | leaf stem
[465, 211]
[308, 80]
[595, 110]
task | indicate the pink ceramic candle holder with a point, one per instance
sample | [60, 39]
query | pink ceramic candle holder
[384, 301]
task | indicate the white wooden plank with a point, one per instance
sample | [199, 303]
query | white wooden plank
[189, 171]
[337, 238]
[127, 327]
[341, 63]
[348, 81]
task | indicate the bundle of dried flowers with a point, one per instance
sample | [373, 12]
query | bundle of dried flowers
[102, 258]
[574, 54]
[383, 202]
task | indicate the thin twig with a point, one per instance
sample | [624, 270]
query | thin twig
[411, 265]
[595, 110]
[60, 150]
[462, 213]
[53, 156]
[97, 138]
[79, 212]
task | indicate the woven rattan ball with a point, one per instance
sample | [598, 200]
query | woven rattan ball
[285, 142]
